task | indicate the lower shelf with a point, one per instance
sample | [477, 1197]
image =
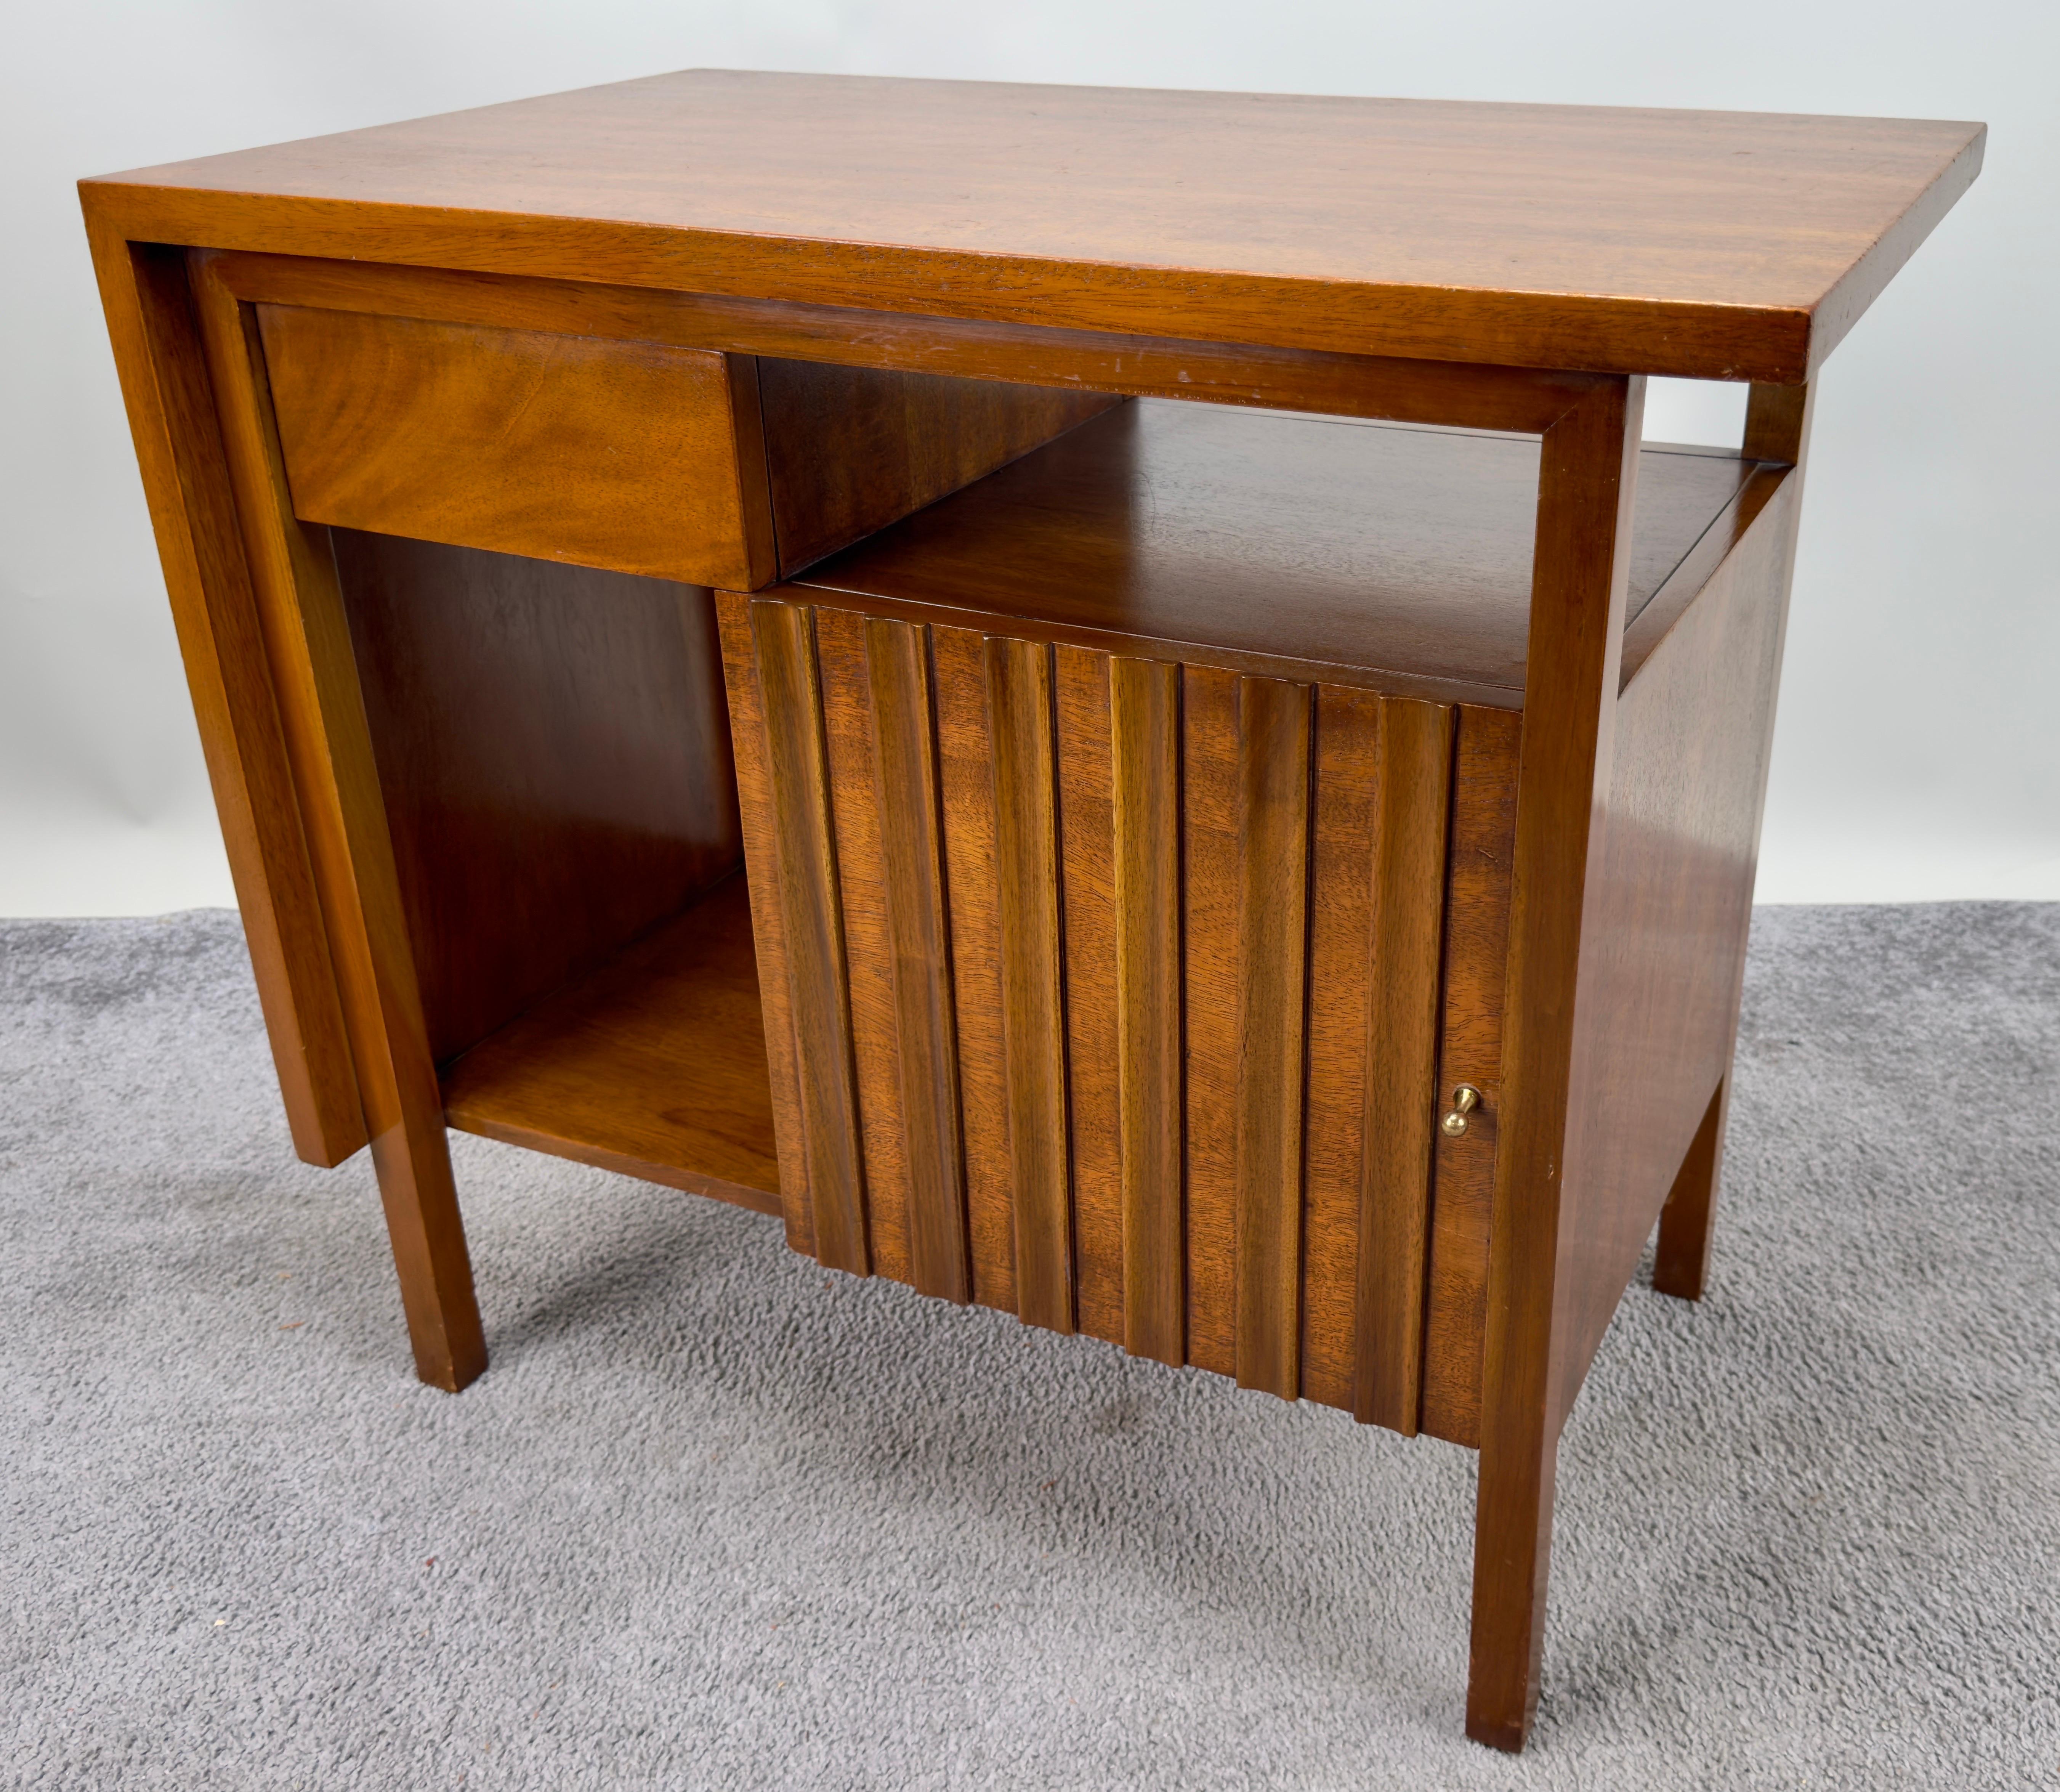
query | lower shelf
[654, 1065]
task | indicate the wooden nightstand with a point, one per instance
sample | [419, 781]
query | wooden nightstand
[1091, 696]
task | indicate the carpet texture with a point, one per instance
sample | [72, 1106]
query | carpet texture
[716, 1518]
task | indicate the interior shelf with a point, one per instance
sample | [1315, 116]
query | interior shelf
[1275, 536]
[653, 1066]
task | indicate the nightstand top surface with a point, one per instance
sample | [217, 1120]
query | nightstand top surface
[1707, 244]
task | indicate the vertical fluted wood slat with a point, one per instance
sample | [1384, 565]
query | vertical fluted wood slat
[1199, 915]
[1087, 856]
[1402, 1091]
[1483, 839]
[855, 824]
[1019, 702]
[1210, 888]
[1144, 719]
[965, 769]
[1273, 845]
[813, 928]
[1344, 826]
[762, 858]
[905, 762]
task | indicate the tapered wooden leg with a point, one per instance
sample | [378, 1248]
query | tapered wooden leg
[1512, 1553]
[1690, 1216]
[1588, 472]
[413, 1158]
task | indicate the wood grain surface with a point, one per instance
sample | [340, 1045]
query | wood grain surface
[1470, 1051]
[621, 455]
[1404, 550]
[1210, 888]
[1033, 1027]
[1408, 936]
[554, 757]
[653, 1066]
[1589, 468]
[166, 387]
[919, 949]
[752, 757]
[1467, 395]
[1189, 1004]
[1091, 852]
[322, 707]
[1673, 901]
[1144, 759]
[812, 932]
[1273, 778]
[850, 449]
[1740, 246]
[861, 893]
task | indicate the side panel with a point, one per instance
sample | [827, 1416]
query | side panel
[1693, 730]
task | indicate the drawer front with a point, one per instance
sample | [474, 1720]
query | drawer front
[631, 456]
[1113, 992]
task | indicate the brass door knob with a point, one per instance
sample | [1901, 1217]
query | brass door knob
[1465, 1099]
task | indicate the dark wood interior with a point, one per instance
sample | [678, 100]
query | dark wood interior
[848, 449]
[1335, 543]
[653, 1066]
[554, 753]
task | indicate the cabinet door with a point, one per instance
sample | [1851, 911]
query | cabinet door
[1110, 989]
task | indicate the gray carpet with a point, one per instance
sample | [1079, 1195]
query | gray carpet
[715, 1519]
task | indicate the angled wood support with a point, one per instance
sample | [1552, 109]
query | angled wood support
[171, 403]
[308, 639]
[1586, 485]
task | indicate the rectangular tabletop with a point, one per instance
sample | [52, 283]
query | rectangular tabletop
[1712, 245]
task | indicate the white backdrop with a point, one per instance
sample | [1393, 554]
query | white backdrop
[1918, 754]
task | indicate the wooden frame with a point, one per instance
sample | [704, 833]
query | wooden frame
[1602, 1036]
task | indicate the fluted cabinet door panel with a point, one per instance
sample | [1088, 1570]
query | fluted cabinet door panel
[905, 768]
[1272, 970]
[965, 773]
[1144, 755]
[1113, 992]
[1209, 802]
[1345, 829]
[856, 805]
[1088, 850]
[1033, 1040]
[1483, 849]
[761, 857]
[1401, 1084]
[812, 924]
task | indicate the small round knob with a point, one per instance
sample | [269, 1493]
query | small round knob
[1465, 1099]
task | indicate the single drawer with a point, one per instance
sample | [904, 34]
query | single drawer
[1125, 994]
[631, 456]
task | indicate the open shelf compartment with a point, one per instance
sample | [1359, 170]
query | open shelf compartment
[653, 1066]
